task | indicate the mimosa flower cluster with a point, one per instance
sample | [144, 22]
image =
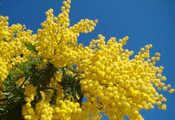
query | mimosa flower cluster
[52, 73]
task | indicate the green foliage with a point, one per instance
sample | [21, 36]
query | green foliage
[14, 74]
[4, 40]
[11, 109]
[71, 84]
[26, 67]
[41, 79]
[30, 47]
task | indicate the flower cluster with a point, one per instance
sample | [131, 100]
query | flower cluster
[52, 73]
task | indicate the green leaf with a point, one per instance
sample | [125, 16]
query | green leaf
[35, 60]
[6, 93]
[1, 109]
[30, 47]
[4, 40]
[10, 96]
[14, 74]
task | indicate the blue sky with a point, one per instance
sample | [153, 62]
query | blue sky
[144, 21]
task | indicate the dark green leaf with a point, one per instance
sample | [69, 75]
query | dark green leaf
[10, 96]
[30, 47]
[4, 40]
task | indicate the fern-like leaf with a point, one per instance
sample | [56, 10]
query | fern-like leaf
[4, 40]
[30, 47]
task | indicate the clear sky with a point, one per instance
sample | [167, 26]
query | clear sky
[144, 21]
